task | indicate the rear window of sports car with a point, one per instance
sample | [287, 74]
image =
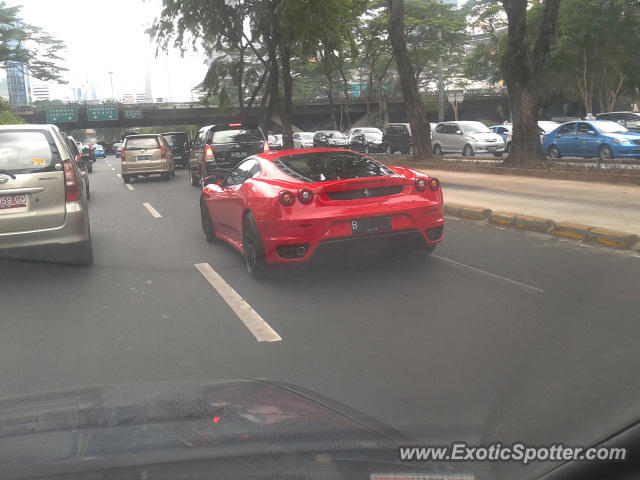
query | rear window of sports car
[327, 166]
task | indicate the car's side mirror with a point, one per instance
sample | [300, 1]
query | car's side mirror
[458, 132]
[591, 132]
[212, 180]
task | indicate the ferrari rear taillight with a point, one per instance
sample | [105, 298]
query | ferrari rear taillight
[305, 196]
[421, 184]
[286, 198]
[434, 184]
[71, 187]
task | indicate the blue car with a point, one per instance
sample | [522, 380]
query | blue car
[99, 151]
[595, 138]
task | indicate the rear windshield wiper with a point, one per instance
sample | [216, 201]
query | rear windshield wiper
[7, 172]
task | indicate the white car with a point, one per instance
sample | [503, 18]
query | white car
[303, 140]
[356, 130]
[467, 138]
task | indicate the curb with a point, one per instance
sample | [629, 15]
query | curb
[574, 231]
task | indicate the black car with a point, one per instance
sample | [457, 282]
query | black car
[367, 142]
[180, 146]
[219, 148]
[631, 120]
[397, 138]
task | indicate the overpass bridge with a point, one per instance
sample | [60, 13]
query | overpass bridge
[308, 116]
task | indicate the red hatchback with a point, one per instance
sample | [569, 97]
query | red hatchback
[285, 207]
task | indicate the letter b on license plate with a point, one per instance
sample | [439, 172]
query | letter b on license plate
[370, 225]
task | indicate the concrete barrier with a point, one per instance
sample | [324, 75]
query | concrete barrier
[474, 213]
[575, 231]
[534, 224]
[452, 209]
[503, 218]
[611, 238]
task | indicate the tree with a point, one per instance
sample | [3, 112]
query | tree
[420, 129]
[28, 47]
[521, 67]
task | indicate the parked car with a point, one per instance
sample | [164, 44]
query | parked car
[343, 197]
[329, 138]
[630, 120]
[145, 155]
[466, 137]
[86, 166]
[180, 146]
[219, 148]
[303, 140]
[98, 151]
[597, 138]
[397, 138]
[275, 141]
[505, 130]
[45, 214]
[353, 131]
[367, 142]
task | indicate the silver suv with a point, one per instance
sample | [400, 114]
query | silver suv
[144, 155]
[43, 201]
[467, 138]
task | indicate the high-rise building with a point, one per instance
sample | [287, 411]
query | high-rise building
[40, 91]
[18, 85]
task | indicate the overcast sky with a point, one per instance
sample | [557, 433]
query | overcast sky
[109, 36]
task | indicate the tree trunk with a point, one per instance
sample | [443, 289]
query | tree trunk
[420, 130]
[273, 89]
[369, 87]
[347, 108]
[521, 68]
[286, 112]
[332, 107]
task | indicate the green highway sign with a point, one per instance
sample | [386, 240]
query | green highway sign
[132, 114]
[102, 112]
[62, 114]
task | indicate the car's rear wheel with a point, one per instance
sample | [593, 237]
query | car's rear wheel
[605, 153]
[410, 150]
[195, 181]
[553, 152]
[388, 150]
[252, 247]
[508, 148]
[366, 149]
[497, 154]
[467, 151]
[90, 168]
[82, 254]
[126, 179]
[437, 150]
[207, 224]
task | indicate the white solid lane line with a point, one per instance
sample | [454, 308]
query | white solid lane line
[129, 187]
[493, 275]
[112, 168]
[118, 175]
[252, 320]
[154, 213]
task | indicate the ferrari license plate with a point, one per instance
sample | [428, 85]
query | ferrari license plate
[370, 225]
[13, 201]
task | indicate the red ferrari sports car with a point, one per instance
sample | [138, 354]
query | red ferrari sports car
[284, 207]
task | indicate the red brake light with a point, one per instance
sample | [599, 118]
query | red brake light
[122, 159]
[286, 198]
[163, 153]
[79, 157]
[421, 184]
[266, 147]
[235, 124]
[305, 196]
[208, 153]
[434, 184]
[71, 190]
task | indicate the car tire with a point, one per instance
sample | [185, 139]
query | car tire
[388, 150]
[410, 150]
[553, 152]
[252, 247]
[195, 181]
[173, 172]
[605, 153]
[205, 220]
[82, 254]
[89, 168]
[508, 147]
[497, 154]
[88, 193]
[428, 249]
[467, 151]
[437, 150]
[126, 179]
[366, 149]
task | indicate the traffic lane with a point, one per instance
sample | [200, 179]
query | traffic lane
[380, 330]
[140, 313]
